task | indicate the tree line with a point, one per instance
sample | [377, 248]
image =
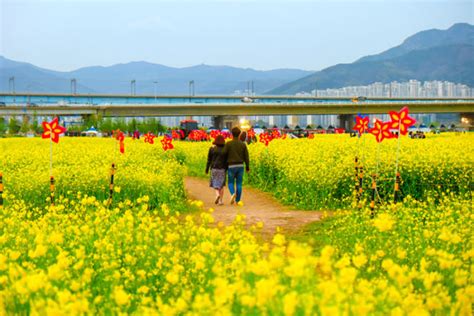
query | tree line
[13, 126]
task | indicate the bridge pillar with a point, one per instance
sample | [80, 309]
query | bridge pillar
[218, 121]
[271, 121]
[231, 121]
[346, 121]
[467, 120]
[292, 120]
[225, 121]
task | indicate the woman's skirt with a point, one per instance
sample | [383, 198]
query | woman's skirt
[217, 178]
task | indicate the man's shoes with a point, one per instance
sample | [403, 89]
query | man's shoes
[232, 199]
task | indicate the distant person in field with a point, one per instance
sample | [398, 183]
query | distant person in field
[243, 136]
[216, 162]
[236, 156]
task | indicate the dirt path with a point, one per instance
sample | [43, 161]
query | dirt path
[258, 207]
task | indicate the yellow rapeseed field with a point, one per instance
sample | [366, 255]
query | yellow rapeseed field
[83, 165]
[319, 173]
[142, 255]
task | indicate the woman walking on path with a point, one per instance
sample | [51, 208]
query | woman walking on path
[237, 154]
[216, 161]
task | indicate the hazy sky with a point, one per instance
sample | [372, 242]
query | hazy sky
[264, 34]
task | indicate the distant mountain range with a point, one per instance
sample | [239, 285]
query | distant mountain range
[427, 55]
[117, 78]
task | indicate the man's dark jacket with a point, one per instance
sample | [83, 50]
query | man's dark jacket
[237, 153]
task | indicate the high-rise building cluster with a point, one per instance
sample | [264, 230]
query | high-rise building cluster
[409, 89]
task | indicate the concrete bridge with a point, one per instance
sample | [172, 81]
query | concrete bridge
[221, 106]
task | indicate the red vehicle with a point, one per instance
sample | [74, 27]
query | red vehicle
[187, 126]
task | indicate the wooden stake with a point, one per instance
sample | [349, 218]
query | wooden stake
[1, 190]
[51, 189]
[111, 185]
[356, 164]
[360, 178]
[373, 195]
[396, 194]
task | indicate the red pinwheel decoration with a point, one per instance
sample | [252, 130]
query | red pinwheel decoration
[401, 121]
[284, 136]
[226, 134]
[275, 134]
[311, 136]
[204, 135]
[52, 130]
[251, 133]
[214, 133]
[381, 130]
[362, 124]
[265, 138]
[193, 135]
[120, 136]
[175, 135]
[198, 135]
[149, 138]
[167, 143]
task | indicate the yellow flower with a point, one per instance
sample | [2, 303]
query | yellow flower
[401, 253]
[143, 289]
[120, 296]
[359, 260]
[3, 262]
[39, 251]
[35, 282]
[248, 300]
[172, 277]
[14, 255]
[55, 272]
[384, 222]
[206, 247]
[279, 239]
[290, 302]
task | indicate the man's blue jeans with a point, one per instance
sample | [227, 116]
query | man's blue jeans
[236, 175]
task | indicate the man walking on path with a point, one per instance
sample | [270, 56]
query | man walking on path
[237, 154]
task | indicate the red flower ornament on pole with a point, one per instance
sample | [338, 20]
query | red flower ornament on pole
[401, 121]
[275, 134]
[381, 130]
[149, 138]
[362, 124]
[52, 130]
[120, 136]
[167, 143]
